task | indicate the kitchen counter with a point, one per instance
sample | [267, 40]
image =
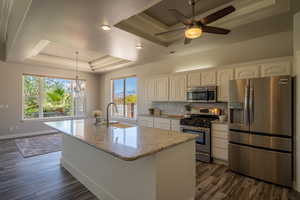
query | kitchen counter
[219, 122]
[165, 116]
[127, 143]
[124, 162]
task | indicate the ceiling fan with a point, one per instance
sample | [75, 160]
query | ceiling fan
[194, 28]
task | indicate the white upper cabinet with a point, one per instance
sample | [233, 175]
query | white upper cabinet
[208, 78]
[150, 89]
[178, 86]
[224, 76]
[194, 79]
[276, 69]
[162, 89]
[247, 72]
[157, 88]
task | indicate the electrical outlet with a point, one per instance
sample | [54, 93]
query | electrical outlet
[6, 106]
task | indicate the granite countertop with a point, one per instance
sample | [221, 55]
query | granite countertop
[127, 142]
[219, 122]
[166, 116]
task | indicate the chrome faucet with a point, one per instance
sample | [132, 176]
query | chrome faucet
[107, 112]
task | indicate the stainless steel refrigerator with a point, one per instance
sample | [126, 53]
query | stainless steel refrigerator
[260, 123]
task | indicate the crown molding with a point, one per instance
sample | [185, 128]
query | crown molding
[105, 63]
[57, 60]
[42, 44]
[114, 66]
[5, 11]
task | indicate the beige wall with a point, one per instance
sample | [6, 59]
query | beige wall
[11, 95]
[276, 45]
[297, 72]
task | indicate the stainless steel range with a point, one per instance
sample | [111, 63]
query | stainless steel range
[200, 125]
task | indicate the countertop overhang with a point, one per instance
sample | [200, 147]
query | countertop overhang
[128, 143]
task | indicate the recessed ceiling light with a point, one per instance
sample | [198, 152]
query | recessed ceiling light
[139, 46]
[105, 27]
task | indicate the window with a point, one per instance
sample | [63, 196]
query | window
[124, 95]
[46, 97]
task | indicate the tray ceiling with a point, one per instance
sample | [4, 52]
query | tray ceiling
[157, 18]
[133, 22]
[51, 53]
[161, 14]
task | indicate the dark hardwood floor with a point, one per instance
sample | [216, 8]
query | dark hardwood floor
[42, 178]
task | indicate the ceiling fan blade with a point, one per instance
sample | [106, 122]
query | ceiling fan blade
[215, 30]
[171, 31]
[179, 16]
[187, 41]
[217, 15]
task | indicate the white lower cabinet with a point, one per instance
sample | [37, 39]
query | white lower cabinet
[146, 121]
[162, 123]
[157, 122]
[220, 141]
[175, 125]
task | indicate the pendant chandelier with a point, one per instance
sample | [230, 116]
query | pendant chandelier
[78, 87]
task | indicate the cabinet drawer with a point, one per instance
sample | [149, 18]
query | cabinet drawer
[220, 143]
[146, 118]
[162, 120]
[220, 134]
[146, 121]
[175, 122]
[220, 127]
[220, 153]
[175, 128]
[165, 126]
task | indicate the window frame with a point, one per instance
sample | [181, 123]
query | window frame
[124, 93]
[41, 98]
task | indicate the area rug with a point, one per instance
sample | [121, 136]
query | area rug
[39, 145]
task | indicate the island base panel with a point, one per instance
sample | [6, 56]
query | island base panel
[168, 174]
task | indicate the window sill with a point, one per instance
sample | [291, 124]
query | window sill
[51, 119]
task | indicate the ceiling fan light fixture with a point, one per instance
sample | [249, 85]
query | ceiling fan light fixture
[193, 32]
[139, 46]
[105, 27]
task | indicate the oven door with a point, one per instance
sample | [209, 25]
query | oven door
[203, 139]
[197, 95]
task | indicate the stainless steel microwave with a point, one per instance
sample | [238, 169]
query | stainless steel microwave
[206, 94]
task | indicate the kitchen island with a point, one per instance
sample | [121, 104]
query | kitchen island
[125, 162]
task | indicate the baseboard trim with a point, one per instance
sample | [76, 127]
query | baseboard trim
[21, 135]
[93, 187]
[220, 162]
[296, 187]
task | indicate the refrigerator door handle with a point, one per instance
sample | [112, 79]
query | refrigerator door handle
[246, 106]
[251, 105]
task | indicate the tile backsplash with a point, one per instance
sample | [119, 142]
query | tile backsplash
[177, 108]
